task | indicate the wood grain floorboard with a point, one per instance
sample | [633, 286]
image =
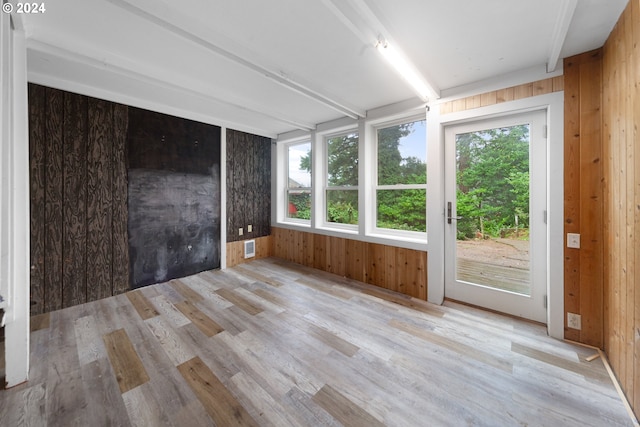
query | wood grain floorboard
[249, 271]
[219, 403]
[238, 301]
[186, 291]
[90, 347]
[41, 321]
[344, 410]
[143, 306]
[453, 345]
[198, 318]
[170, 340]
[128, 368]
[166, 306]
[104, 400]
[581, 368]
[272, 343]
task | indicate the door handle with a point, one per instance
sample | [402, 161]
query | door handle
[449, 217]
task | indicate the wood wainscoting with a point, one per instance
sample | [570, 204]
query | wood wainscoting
[397, 269]
[235, 250]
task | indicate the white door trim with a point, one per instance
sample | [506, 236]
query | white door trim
[14, 194]
[530, 306]
[554, 104]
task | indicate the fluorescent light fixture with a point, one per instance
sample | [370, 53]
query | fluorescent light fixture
[406, 70]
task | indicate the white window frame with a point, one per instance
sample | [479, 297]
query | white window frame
[406, 111]
[372, 210]
[285, 205]
[351, 228]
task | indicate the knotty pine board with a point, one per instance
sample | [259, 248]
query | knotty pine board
[584, 195]
[398, 269]
[621, 213]
[541, 87]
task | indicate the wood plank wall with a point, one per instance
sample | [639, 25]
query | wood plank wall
[583, 192]
[398, 269]
[527, 90]
[79, 249]
[248, 185]
[621, 147]
[235, 251]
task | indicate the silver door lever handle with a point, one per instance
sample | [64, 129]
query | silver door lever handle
[449, 217]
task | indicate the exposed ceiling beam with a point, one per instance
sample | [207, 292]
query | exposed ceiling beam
[277, 76]
[568, 8]
[38, 46]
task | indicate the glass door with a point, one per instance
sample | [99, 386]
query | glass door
[495, 214]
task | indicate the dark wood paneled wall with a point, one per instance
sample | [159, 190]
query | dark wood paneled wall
[398, 269]
[78, 189]
[621, 153]
[248, 185]
[583, 190]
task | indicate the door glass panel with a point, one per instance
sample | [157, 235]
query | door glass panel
[492, 203]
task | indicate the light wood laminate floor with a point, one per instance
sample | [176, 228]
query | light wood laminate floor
[276, 344]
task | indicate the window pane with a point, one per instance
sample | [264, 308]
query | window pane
[342, 160]
[402, 209]
[492, 183]
[402, 154]
[342, 206]
[300, 165]
[299, 204]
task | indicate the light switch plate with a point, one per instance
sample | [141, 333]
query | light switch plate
[249, 228]
[573, 240]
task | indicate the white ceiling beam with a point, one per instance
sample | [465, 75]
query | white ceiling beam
[563, 22]
[277, 76]
[66, 55]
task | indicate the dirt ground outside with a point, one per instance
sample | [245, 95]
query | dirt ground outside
[504, 252]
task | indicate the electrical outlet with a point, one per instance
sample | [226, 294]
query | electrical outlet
[574, 321]
[240, 231]
[573, 240]
[249, 228]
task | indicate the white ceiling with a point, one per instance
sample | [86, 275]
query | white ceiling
[272, 66]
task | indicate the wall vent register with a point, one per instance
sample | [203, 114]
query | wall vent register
[249, 248]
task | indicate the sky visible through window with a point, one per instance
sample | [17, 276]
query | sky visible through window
[297, 152]
[415, 144]
[412, 145]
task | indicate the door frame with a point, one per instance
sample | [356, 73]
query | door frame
[529, 306]
[436, 123]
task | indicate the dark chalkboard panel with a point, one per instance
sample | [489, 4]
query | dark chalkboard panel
[174, 224]
[174, 197]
